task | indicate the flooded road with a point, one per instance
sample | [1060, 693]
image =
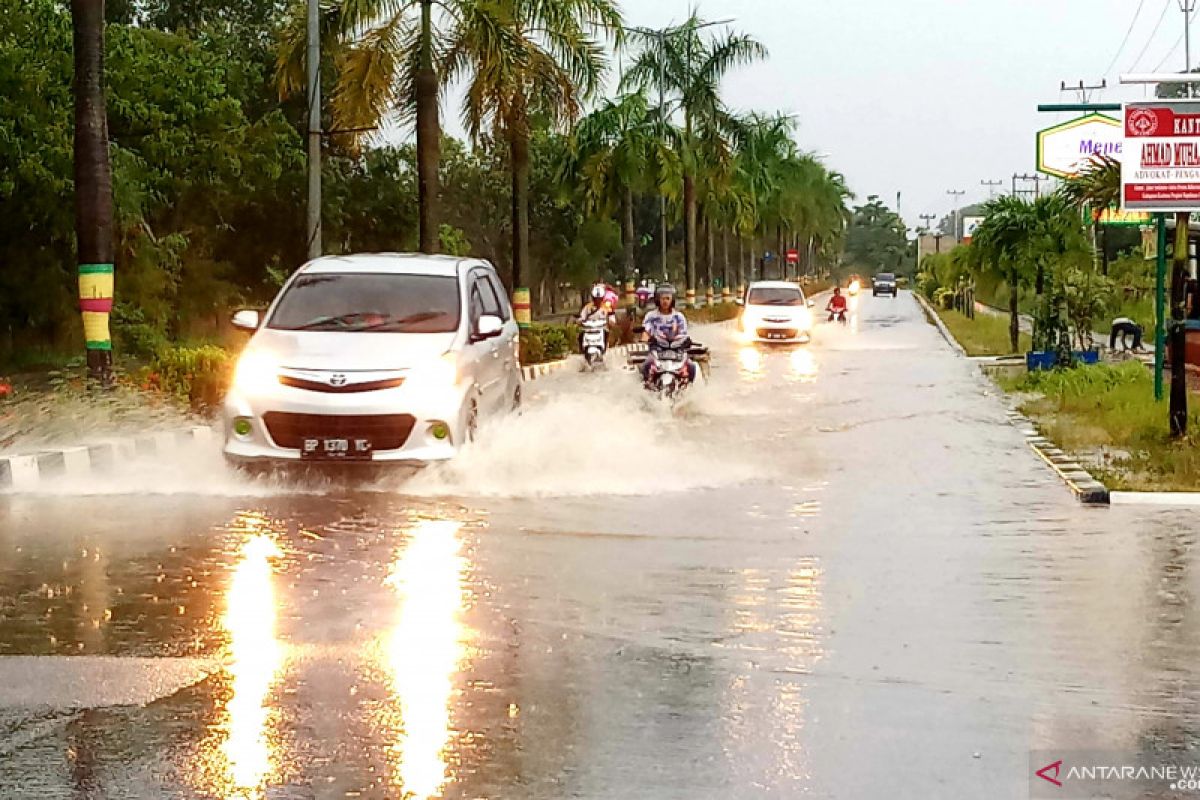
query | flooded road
[838, 572]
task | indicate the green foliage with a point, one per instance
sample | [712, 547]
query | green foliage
[198, 376]
[718, 312]
[1109, 411]
[453, 241]
[877, 239]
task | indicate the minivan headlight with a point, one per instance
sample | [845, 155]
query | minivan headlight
[257, 372]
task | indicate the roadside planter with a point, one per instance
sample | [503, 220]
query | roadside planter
[1048, 359]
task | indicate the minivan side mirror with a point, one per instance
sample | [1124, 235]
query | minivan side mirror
[488, 326]
[247, 320]
[811, 303]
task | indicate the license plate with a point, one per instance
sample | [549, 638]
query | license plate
[777, 336]
[323, 448]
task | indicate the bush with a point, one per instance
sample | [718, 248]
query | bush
[719, 312]
[199, 376]
[542, 342]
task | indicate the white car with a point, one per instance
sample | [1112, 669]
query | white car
[775, 311]
[380, 358]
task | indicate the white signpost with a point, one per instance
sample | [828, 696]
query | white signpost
[969, 226]
[1162, 168]
[1063, 150]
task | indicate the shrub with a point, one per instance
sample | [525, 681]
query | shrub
[198, 376]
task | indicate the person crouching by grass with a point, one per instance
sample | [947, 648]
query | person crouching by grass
[1124, 328]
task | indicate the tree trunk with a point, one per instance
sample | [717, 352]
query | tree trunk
[627, 236]
[689, 236]
[725, 276]
[428, 137]
[1014, 312]
[741, 262]
[93, 189]
[518, 137]
[1175, 329]
[708, 253]
[780, 255]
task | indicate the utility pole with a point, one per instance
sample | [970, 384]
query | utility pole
[1035, 179]
[313, 228]
[956, 194]
[991, 186]
[1188, 7]
[1084, 91]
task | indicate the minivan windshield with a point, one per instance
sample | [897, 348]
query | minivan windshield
[775, 296]
[885, 276]
[356, 302]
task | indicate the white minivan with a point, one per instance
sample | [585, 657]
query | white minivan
[775, 312]
[373, 358]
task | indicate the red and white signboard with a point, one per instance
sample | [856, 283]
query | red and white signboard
[1161, 168]
[793, 256]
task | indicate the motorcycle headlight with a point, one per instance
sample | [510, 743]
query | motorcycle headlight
[257, 372]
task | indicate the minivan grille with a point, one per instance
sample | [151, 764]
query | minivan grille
[385, 431]
[347, 388]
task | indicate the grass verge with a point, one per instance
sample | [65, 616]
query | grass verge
[982, 336]
[1106, 416]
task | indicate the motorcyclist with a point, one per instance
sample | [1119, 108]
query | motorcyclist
[597, 308]
[837, 303]
[664, 325]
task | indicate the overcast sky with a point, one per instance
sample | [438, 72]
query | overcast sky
[922, 96]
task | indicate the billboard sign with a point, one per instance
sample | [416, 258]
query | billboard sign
[1129, 219]
[1161, 171]
[1066, 148]
[970, 224]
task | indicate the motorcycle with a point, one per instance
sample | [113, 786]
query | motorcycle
[595, 343]
[838, 315]
[671, 367]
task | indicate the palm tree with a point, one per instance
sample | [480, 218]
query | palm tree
[998, 247]
[690, 68]
[386, 55]
[614, 155]
[93, 188]
[1096, 187]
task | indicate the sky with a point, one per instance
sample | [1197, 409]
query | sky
[925, 96]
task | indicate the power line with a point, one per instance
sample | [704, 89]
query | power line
[1153, 33]
[1125, 41]
[1178, 42]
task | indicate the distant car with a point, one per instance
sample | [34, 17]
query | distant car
[884, 283]
[373, 358]
[775, 312]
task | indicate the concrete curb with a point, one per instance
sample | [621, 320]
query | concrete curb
[1172, 499]
[24, 471]
[1087, 489]
[936, 321]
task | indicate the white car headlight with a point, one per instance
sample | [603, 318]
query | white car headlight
[257, 372]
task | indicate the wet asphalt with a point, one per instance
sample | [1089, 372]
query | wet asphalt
[835, 572]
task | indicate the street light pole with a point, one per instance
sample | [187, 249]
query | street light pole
[1187, 7]
[956, 194]
[313, 227]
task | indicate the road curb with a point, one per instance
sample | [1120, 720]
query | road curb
[1086, 488]
[936, 321]
[1173, 499]
[26, 470]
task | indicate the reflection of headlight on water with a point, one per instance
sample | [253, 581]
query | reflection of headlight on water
[256, 656]
[424, 652]
[751, 359]
[257, 372]
[803, 364]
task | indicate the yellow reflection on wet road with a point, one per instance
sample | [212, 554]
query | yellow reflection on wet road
[424, 652]
[256, 656]
[803, 365]
[751, 359]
